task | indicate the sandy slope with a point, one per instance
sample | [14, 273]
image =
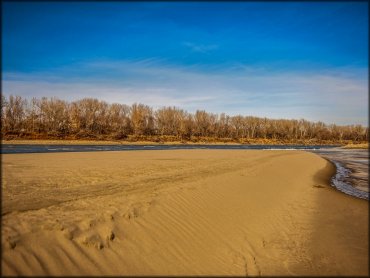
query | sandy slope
[183, 212]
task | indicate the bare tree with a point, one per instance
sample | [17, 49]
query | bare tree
[98, 119]
[142, 119]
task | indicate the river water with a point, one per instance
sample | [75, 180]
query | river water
[352, 165]
[352, 175]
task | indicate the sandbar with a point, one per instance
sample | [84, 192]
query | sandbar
[179, 212]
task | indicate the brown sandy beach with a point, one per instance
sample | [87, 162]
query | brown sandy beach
[179, 212]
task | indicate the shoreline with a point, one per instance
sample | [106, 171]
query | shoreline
[123, 142]
[108, 142]
[357, 146]
[337, 182]
[351, 176]
[192, 212]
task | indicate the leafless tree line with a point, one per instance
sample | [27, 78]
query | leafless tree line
[95, 119]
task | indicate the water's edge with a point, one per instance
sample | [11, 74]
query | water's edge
[338, 181]
[351, 171]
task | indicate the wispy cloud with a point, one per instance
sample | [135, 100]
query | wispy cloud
[202, 48]
[336, 95]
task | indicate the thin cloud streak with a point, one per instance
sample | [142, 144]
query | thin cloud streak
[331, 96]
[202, 48]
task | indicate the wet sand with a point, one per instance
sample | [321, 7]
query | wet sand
[179, 212]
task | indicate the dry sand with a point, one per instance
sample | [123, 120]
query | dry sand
[357, 146]
[181, 212]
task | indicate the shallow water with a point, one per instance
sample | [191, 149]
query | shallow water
[352, 176]
[352, 164]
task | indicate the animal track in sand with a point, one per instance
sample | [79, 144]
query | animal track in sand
[318, 186]
[10, 242]
[252, 266]
[99, 237]
[247, 262]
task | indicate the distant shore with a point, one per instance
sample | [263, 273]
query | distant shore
[357, 146]
[123, 142]
[143, 142]
[109, 142]
[179, 212]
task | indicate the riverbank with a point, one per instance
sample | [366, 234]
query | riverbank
[103, 142]
[176, 142]
[179, 212]
[357, 146]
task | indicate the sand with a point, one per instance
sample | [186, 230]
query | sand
[357, 146]
[179, 212]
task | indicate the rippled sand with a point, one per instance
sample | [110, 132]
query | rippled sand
[182, 212]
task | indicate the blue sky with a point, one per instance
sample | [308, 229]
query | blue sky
[268, 59]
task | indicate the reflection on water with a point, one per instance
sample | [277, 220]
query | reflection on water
[352, 175]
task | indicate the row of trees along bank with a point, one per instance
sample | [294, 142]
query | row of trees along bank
[53, 118]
